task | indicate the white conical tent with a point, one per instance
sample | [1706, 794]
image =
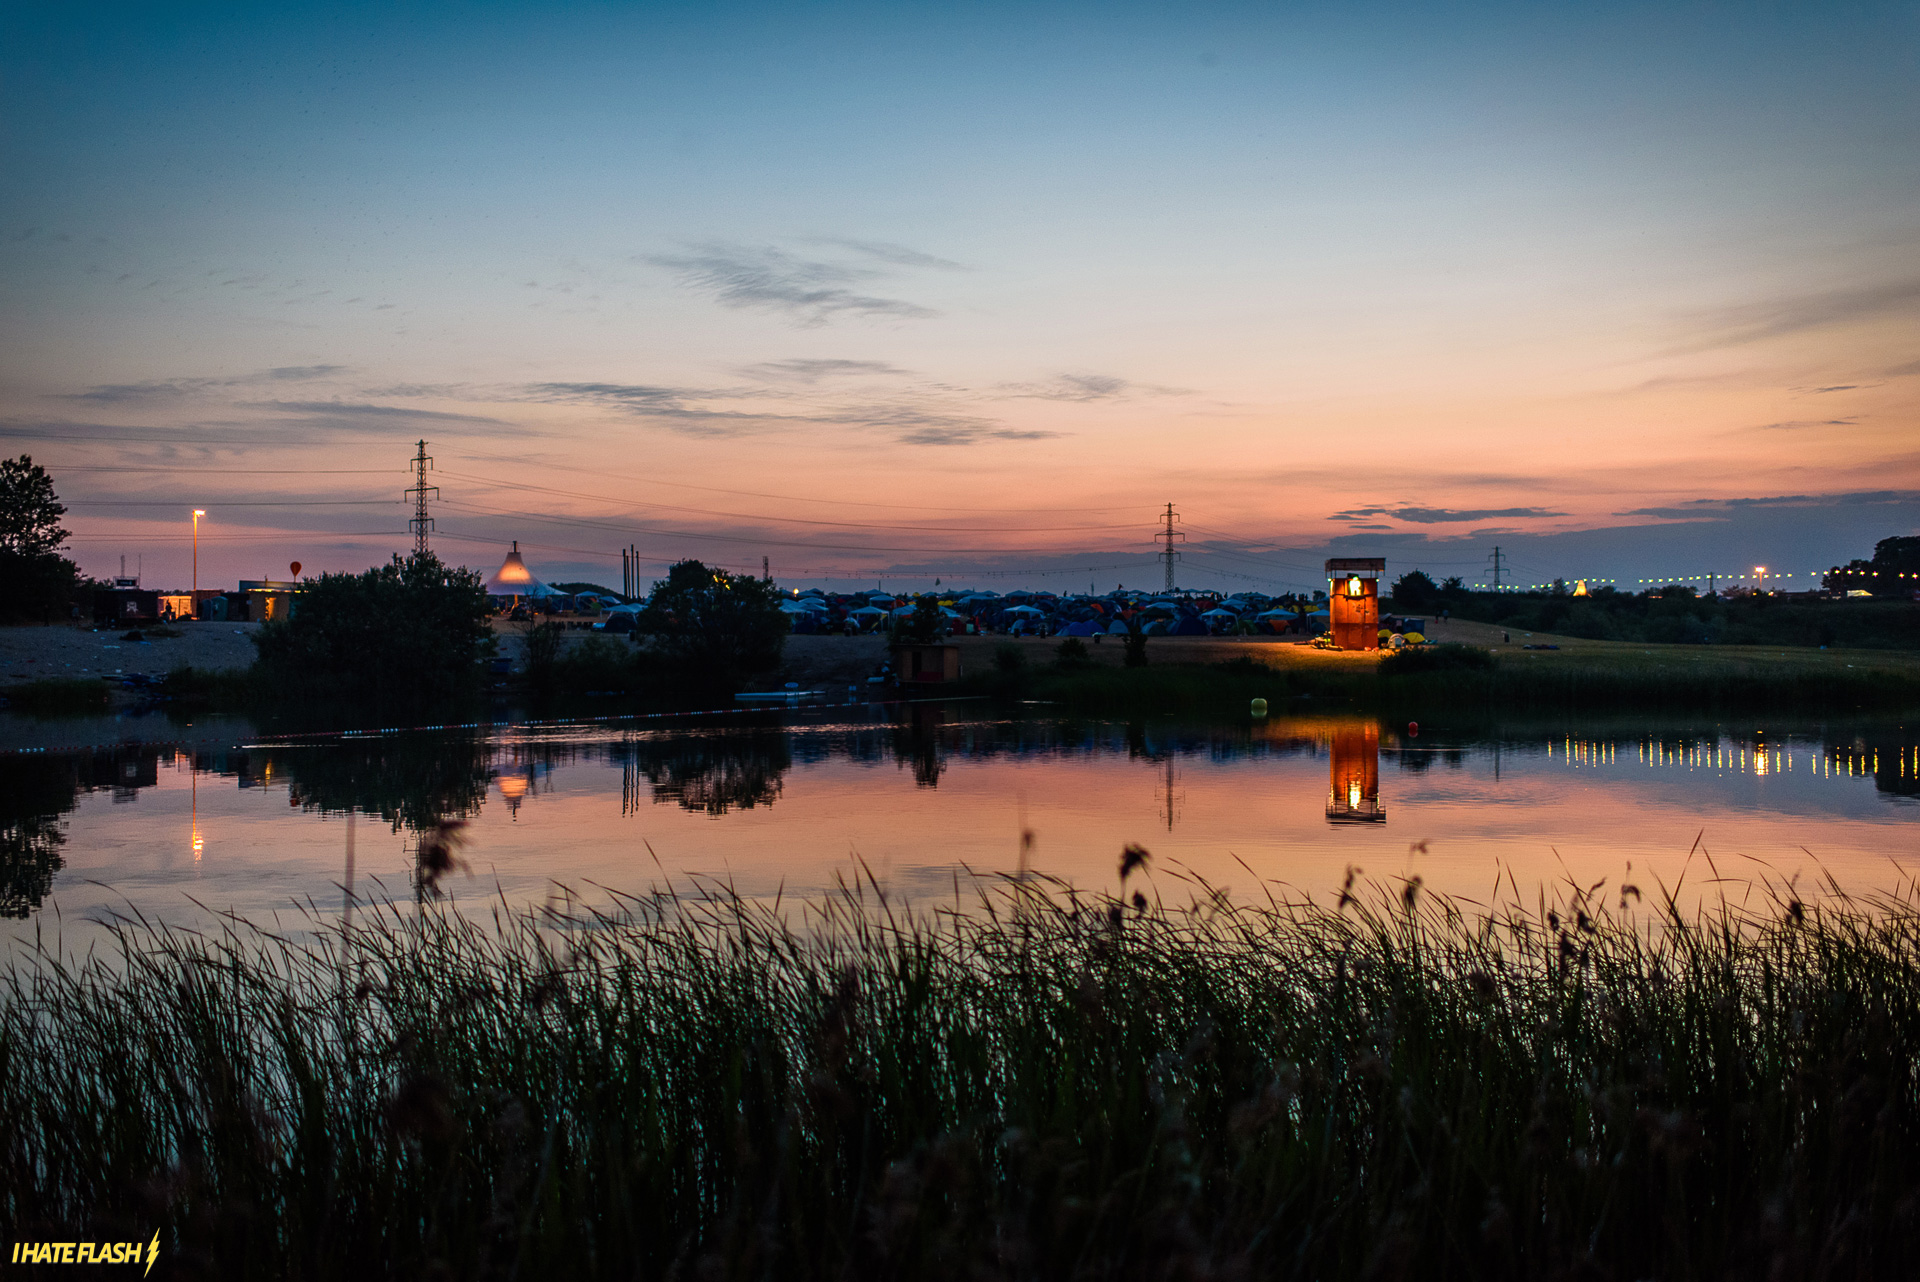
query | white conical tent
[513, 578]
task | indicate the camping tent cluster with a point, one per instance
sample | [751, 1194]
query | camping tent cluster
[1046, 614]
[1017, 613]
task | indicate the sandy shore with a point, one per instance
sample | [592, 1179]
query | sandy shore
[34, 653]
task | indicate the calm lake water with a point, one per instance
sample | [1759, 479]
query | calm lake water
[785, 802]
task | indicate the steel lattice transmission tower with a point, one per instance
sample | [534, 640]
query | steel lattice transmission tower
[421, 524]
[1499, 568]
[1170, 535]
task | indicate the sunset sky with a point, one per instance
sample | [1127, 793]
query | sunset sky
[884, 292]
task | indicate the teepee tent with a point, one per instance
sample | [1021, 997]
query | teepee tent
[513, 578]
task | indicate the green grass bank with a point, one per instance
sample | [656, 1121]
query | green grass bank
[1458, 679]
[1048, 1086]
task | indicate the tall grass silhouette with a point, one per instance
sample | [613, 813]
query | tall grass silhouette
[1035, 1082]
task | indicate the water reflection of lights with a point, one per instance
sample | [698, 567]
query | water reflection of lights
[514, 788]
[1353, 794]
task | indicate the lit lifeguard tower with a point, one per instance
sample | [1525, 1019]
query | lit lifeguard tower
[1353, 601]
[1354, 793]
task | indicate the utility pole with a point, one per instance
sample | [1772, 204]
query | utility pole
[421, 523]
[197, 514]
[1498, 569]
[766, 570]
[1169, 535]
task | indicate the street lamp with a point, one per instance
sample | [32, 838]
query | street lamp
[197, 514]
[1761, 572]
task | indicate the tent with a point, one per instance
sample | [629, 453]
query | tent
[513, 578]
[1082, 629]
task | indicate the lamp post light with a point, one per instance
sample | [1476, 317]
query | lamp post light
[1760, 572]
[197, 514]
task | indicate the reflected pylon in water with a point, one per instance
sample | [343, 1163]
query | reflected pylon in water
[1170, 799]
[1354, 794]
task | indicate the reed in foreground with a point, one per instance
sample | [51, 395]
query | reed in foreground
[1046, 1086]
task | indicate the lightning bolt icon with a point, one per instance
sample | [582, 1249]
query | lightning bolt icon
[153, 1251]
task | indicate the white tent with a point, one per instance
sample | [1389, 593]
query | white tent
[513, 578]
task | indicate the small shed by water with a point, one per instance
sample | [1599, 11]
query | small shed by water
[926, 664]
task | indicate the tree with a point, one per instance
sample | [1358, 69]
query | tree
[1414, 590]
[1894, 569]
[407, 632]
[40, 582]
[925, 625]
[30, 511]
[715, 626]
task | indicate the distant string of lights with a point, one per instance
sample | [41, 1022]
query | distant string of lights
[1731, 757]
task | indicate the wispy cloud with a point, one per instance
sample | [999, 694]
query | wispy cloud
[1774, 318]
[383, 413]
[1724, 509]
[769, 279]
[708, 413]
[897, 255]
[1084, 387]
[177, 388]
[812, 371]
[1796, 424]
[1443, 515]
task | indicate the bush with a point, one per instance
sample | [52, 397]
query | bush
[1073, 653]
[599, 663]
[60, 697]
[1448, 656]
[405, 633]
[542, 643]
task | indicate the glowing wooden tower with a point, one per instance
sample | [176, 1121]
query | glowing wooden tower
[1353, 601]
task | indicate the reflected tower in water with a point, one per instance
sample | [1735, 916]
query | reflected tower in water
[1354, 794]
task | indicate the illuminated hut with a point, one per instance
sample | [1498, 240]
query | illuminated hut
[1353, 601]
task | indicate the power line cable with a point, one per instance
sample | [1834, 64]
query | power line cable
[628, 529]
[763, 516]
[791, 498]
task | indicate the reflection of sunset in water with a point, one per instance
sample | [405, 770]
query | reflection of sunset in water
[923, 794]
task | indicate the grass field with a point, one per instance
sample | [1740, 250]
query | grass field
[1214, 674]
[1049, 1085]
